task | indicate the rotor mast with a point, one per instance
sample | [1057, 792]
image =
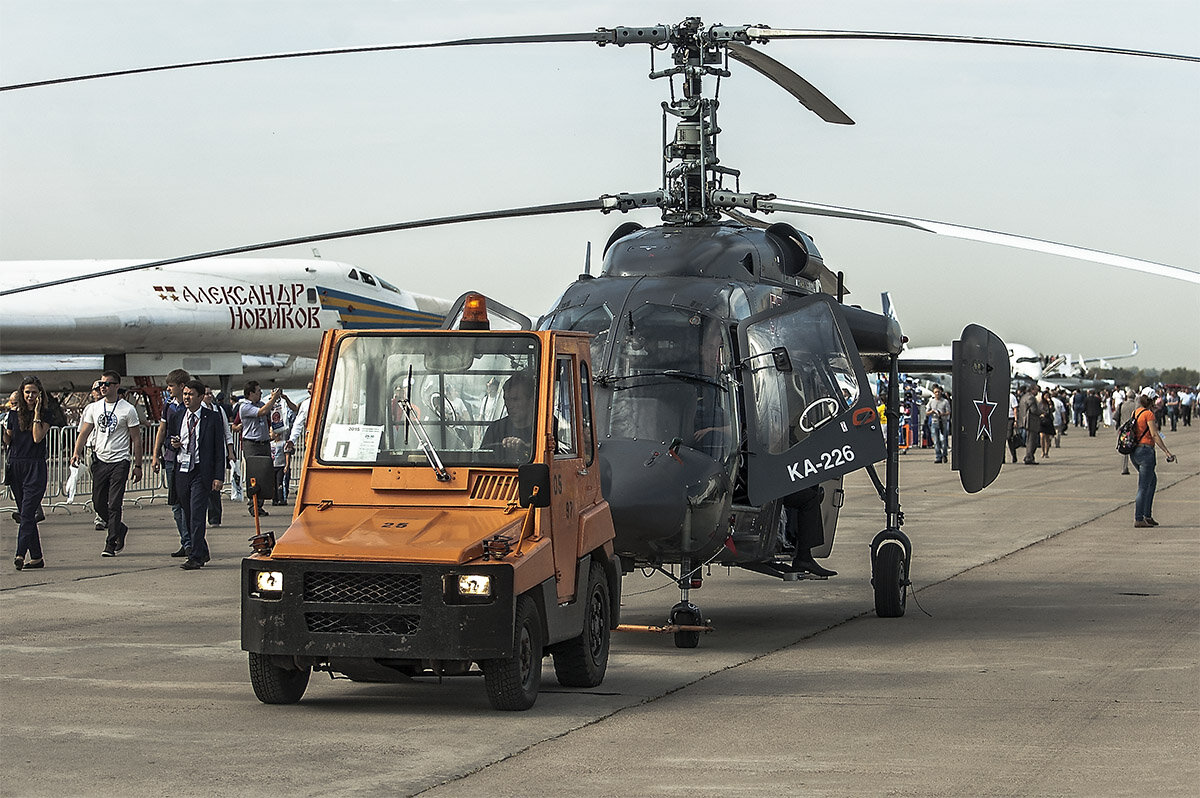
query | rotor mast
[691, 168]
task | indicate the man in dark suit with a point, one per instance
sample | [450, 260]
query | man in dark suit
[198, 437]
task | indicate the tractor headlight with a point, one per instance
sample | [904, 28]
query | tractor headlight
[474, 585]
[467, 589]
[268, 584]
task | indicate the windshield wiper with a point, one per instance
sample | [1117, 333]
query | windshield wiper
[410, 418]
[678, 374]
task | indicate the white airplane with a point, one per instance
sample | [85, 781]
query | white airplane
[1026, 364]
[253, 318]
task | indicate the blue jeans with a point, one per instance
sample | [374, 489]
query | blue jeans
[939, 429]
[1143, 461]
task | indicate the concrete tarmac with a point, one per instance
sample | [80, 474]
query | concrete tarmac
[1059, 656]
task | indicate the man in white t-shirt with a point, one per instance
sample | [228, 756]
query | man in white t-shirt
[937, 410]
[118, 438]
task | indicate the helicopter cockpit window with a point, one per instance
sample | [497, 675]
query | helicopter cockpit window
[444, 380]
[594, 319]
[820, 387]
[667, 380]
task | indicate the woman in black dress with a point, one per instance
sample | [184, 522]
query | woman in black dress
[25, 434]
[1046, 410]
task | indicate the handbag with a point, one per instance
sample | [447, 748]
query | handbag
[1127, 437]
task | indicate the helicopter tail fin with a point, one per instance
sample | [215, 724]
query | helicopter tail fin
[979, 412]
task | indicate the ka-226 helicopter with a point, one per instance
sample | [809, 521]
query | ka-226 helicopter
[731, 381]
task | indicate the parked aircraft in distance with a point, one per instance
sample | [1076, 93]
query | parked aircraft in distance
[252, 318]
[1058, 371]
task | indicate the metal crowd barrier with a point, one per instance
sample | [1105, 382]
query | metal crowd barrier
[60, 442]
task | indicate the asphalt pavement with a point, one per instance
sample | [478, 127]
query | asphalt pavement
[1048, 649]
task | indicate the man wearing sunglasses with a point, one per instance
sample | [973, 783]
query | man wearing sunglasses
[117, 440]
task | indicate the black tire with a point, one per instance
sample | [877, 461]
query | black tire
[582, 661]
[890, 579]
[275, 685]
[686, 615]
[512, 683]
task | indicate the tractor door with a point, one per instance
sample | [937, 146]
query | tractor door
[810, 411]
[568, 490]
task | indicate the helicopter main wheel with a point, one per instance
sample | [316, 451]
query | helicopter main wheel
[890, 578]
[686, 614]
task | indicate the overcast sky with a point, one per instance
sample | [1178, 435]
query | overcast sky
[1093, 150]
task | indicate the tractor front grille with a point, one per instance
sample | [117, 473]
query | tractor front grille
[343, 587]
[361, 623]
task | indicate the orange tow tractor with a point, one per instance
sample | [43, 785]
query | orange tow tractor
[448, 522]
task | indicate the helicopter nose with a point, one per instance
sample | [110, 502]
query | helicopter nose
[663, 500]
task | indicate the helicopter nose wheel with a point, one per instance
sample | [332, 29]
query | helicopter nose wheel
[685, 613]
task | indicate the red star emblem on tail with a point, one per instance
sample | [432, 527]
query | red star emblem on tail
[985, 409]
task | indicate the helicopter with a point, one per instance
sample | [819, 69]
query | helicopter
[731, 376]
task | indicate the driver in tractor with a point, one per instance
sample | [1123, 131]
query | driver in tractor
[510, 435]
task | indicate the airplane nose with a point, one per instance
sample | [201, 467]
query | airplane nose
[662, 502]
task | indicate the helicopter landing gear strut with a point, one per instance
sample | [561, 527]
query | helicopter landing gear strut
[685, 622]
[891, 550]
[685, 617]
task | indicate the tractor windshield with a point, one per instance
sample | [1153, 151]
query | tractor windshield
[473, 394]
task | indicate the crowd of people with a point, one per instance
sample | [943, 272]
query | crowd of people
[194, 446]
[193, 452]
[1039, 418]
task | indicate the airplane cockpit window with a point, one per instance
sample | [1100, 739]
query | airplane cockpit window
[388, 286]
[391, 393]
[820, 387]
[366, 278]
[667, 380]
[353, 275]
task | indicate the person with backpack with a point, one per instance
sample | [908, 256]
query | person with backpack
[1147, 436]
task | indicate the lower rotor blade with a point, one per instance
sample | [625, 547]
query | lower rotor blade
[621, 202]
[986, 236]
[783, 33]
[808, 95]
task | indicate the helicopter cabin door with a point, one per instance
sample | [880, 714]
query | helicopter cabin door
[810, 412]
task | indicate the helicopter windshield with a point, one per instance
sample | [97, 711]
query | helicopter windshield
[820, 387]
[455, 384]
[667, 381]
[593, 319]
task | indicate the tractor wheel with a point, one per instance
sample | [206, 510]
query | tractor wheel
[512, 682]
[276, 685]
[581, 661]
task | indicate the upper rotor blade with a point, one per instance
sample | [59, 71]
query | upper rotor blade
[783, 33]
[592, 36]
[808, 95]
[986, 236]
[621, 202]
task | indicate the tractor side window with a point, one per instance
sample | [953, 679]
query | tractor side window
[585, 412]
[564, 409]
